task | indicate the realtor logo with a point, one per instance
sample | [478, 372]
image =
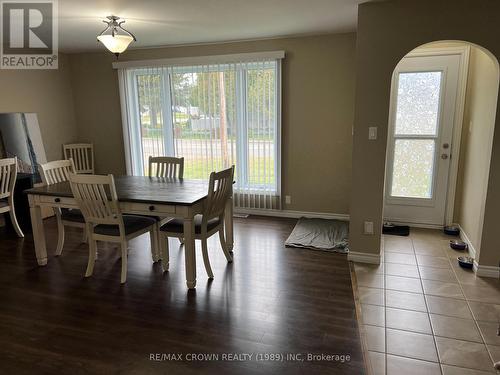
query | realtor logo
[29, 34]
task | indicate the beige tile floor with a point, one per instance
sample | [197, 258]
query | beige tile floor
[423, 314]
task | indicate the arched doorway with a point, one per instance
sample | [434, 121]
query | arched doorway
[442, 117]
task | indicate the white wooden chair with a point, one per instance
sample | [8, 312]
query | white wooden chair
[82, 155]
[211, 221]
[53, 173]
[166, 166]
[96, 196]
[8, 176]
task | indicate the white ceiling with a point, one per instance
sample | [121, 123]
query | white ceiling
[170, 22]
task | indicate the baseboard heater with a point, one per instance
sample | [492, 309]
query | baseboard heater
[261, 201]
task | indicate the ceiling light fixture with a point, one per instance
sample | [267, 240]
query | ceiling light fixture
[114, 37]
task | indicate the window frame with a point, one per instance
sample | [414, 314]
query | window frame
[131, 126]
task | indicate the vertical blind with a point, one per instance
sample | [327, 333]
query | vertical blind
[213, 115]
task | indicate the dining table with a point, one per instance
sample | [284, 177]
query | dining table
[137, 195]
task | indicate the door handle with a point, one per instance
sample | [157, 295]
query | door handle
[444, 156]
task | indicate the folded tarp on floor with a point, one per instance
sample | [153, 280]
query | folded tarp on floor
[320, 234]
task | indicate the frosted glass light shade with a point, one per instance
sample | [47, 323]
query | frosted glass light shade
[117, 43]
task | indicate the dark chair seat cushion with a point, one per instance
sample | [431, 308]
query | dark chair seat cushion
[74, 215]
[132, 223]
[157, 218]
[177, 225]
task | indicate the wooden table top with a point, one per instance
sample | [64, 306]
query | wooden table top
[140, 189]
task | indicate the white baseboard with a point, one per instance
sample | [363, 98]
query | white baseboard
[465, 238]
[486, 271]
[479, 270]
[371, 258]
[291, 214]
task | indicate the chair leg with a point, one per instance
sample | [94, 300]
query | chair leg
[165, 256]
[15, 224]
[124, 248]
[60, 235]
[224, 246]
[206, 261]
[84, 236]
[92, 256]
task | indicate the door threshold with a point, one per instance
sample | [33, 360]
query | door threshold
[415, 225]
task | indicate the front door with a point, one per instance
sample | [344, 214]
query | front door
[423, 101]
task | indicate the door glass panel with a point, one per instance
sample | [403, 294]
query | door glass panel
[413, 168]
[418, 103]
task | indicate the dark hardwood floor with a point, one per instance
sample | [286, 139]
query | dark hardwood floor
[272, 299]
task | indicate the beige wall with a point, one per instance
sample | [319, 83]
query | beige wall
[386, 32]
[47, 93]
[318, 110]
[475, 150]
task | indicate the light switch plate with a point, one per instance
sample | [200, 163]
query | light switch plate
[372, 133]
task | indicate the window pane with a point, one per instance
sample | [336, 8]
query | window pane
[418, 103]
[261, 117]
[204, 115]
[149, 93]
[214, 116]
[413, 168]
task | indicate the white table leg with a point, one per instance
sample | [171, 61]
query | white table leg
[38, 232]
[228, 224]
[189, 253]
[155, 243]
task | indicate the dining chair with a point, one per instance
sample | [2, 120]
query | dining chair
[169, 167]
[166, 166]
[82, 155]
[52, 173]
[96, 196]
[209, 222]
[8, 176]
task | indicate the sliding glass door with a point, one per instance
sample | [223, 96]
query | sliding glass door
[214, 116]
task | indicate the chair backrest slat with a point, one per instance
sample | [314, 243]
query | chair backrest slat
[166, 166]
[96, 196]
[8, 175]
[220, 188]
[82, 155]
[56, 171]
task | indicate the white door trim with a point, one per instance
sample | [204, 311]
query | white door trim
[464, 53]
